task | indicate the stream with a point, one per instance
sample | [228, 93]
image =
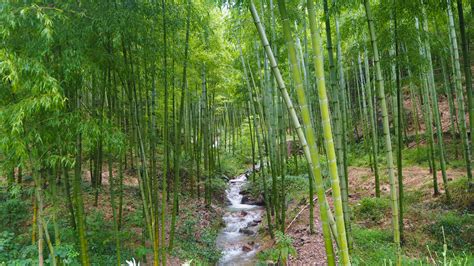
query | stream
[237, 239]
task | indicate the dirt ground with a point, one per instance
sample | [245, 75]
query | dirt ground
[310, 248]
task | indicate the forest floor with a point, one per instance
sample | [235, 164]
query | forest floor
[418, 183]
[196, 228]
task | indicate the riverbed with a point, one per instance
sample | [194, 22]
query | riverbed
[237, 239]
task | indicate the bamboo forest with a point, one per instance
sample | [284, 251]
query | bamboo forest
[236, 132]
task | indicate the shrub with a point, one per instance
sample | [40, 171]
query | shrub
[202, 249]
[281, 251]
[13, 209]
[372, 209]
[218, 186]
[8, 248]
[458, 230]
[230, 165]
[416, 156]
[296, 169]
[15, 253]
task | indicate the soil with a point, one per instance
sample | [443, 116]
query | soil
[310, 248]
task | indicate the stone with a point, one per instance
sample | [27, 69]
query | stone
[246, 231]
[250, 201]
[245, 199]
[247, 248]
[252, 223]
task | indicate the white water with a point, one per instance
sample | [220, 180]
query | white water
[238, 216]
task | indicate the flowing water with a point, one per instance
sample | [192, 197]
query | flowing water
[237, 238]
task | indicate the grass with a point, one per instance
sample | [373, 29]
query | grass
[375, 247]
[372, 210]
[413, 156]
[457, 229]
[426, 218]
[435, 231]
[372, 246]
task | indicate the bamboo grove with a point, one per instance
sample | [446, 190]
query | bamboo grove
[167, 91]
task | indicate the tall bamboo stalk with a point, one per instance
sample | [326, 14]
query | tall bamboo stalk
[434, 100]
[344, 176]
[315, 168]
[166, 145]
[373, 124]
[386, 129]
[328, 139]
[459, 94]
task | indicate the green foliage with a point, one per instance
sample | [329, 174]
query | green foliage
[7, 245]
[361, 158]
[296, 187]
[100, 236]
[13, 209]
[294, 168]
[231, 165]
[461, 200]
[375, 247]
[284, 245]
[197, 244]
[218, 186]
[67, 254]
[416, 156]
[412, 197]
[302, 167]
[372, 246]
[458, 230]
[372, 210]
[15, 252]
[281, 251]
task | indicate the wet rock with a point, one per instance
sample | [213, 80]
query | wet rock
[257, 167]
[248, 173]
[246, 231]
[243, 213]
[247, 248]
[252, 223]
[250, 201]
[258, 220]
[245, 199]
